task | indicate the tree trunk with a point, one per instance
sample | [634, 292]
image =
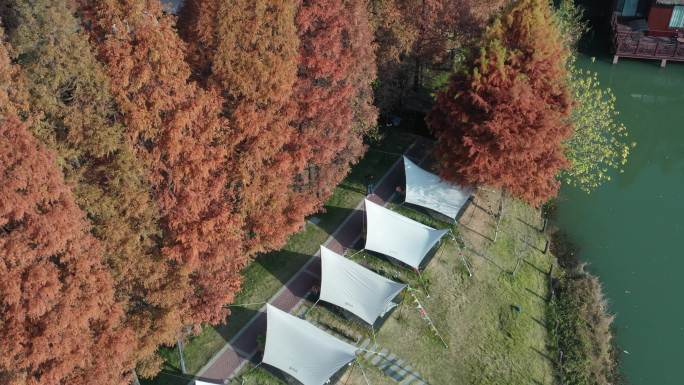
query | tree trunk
[134, 379]
[416, 75]
[182, 360]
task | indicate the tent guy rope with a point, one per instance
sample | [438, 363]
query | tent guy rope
[424, 315]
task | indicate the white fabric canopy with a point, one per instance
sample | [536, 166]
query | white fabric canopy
[302, 350]
[397, 236]
[198, 382]
[426, 189]
[353, 287]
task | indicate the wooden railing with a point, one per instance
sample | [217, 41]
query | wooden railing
[647, 44]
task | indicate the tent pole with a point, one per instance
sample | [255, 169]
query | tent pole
[517, 265]
[441, 249]
[470, 273]
[501, 211]
[245, 304]
[134, 378]
[356, 253]
[180, 353]
[242, 376]
[386, 152]
[426, 317]
[460, 252]
[403, 299]
[420, 278]
[311, 308]
[349, 376]
[364, 373]
[453, 238]
[375, 343]
[410, 289]
[363, 228]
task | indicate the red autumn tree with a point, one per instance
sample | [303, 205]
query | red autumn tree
[364, 71]
[69, 93]
[59, 322]
[445, 25]
[415, 35]
[503, 124]
[58, 319]
[250, 49]
[332, 90]
[176, 127]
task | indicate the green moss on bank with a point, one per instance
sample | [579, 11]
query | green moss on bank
[580, 324]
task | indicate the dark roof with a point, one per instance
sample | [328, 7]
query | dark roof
[670, 2]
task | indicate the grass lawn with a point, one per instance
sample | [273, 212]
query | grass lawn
[268, 272]
[489, 341]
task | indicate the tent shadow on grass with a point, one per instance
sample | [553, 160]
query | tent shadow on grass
[164, 378]
[272, 262]
[385, 258]
[354, 322]
[289, 380]
[333, 216]
[228, 331]
[423, 264]
[431, 254]
[442, 219]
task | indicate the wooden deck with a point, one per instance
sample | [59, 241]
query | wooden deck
[645, 44]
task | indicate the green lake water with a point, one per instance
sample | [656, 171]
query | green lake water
[631, 230]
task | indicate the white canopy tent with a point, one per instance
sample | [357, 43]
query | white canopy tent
[353, 287]
[302, 350]
[397, 236]
[198, 382]
[427, 190]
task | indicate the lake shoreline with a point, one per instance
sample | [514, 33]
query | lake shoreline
[580, 323]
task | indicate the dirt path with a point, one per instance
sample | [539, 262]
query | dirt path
[243, 346]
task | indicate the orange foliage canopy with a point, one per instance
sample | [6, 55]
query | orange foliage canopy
[254, 67]
[105, 176]
[336, 68]
[416, 34]
[58, 317]
[176, 127]
[503, 124]
[428, 28]
[299, 100]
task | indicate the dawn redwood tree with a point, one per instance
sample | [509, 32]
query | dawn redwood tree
[413, 35]
[533, 39]
[395, 34]
[364, 71]
[504, 122]
[444, 25]
[59, 320]
[13, 92]
[333, 93]
[177, 129]
[249, 48]
[74, 113]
